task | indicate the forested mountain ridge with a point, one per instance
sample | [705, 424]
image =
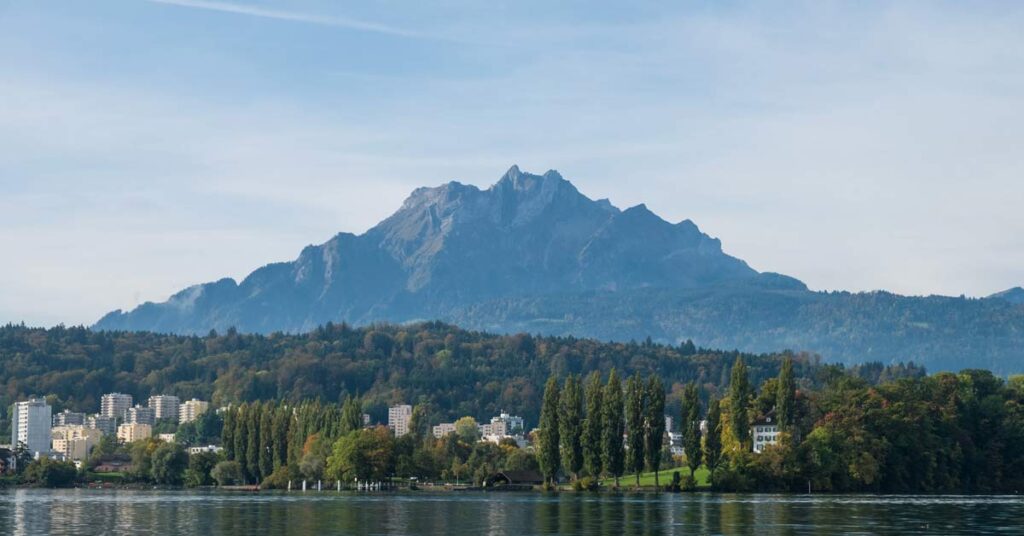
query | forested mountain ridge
[458, 372]
[531, 253]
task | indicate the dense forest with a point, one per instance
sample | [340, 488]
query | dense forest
[457, 372]
[948, 433]
[938, 332]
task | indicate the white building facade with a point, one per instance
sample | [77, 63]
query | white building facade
[164, 407]
[398, 419]
[30, 425]
[190, 410]
[764, 432]
[115, 404]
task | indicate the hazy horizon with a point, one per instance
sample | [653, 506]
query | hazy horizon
[150, 146]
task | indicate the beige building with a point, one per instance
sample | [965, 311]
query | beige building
[164, 407]
[115, 404]
[74, 441]
[444, 429]
[191, 409]
[398, 419]
[131, 432]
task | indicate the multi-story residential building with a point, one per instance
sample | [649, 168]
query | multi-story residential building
[106, 425]
[66, 418]
[115, 404]
[208, 448]
[140, 415]
[166, 438]
[30, 425]
[131, 432]
[444, 429]
[190, 410]
[764, 432]
[164, 407]
[398, 419]
[74, 441]
[503, 425]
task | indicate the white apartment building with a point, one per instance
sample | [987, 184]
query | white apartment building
[106, 425]
[66, 418]
[164, 407]
[503, 425]
[398, 419]
[444, 429]
[131, 432]
[190, 410]
[140, 415]
[115, 404]
[74, 441]
[30, 425]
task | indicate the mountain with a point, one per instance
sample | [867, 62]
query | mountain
[1014, 295]
[531, 253]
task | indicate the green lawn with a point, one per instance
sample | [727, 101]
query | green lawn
[664, 477]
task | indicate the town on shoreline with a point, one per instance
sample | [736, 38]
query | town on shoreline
[943, 433]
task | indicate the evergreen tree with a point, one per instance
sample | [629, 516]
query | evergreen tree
[351, 415]
[786, 396]
[548, 455]
[713, 439]
[242, 439]
[635, 429]
[419, 427]
[612, 449]
[280, 434]
[570, 425]
[227, 434]
[655, 417]
[739, 395]
[593, 426]
[691, 427]
[266, 440]
[252, 453]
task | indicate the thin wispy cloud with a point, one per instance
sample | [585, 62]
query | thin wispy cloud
[306, 18]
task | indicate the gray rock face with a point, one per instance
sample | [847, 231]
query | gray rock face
[453, 246]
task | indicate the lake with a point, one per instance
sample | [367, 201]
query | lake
[25, 512]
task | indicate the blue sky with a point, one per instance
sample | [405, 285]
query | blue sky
[146, 146]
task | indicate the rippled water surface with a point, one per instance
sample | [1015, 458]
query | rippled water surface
[166, 513]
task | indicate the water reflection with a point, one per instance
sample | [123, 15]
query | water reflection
[38, 512]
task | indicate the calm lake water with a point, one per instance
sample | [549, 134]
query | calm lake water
[168, 513]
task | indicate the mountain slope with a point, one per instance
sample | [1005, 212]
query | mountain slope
[1014, 295]
[531, 253]
[450, 246]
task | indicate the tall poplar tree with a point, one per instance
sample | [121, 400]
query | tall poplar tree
[242, 439]
[691, 427]
[570, 425]
[282, 417]
[655, 429]
[547, 455]
[227, 434]
[786, 396]
[593, 426]
[739, 395]
[266, 440]
[351, 415]
[612, 449]
[252, 453]
[713, 439]
[635, 432]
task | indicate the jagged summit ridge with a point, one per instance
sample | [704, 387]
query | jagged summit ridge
[450, 246]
